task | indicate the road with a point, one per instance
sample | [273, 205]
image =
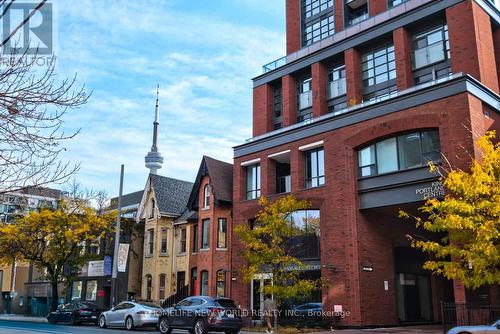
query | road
[20, 327]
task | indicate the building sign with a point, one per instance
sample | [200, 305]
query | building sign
[337, 308]
[108, 265]
[123, 257]
[367, 269]
[96, 268]
[435, 190]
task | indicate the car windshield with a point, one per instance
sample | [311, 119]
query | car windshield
[227, 303]
[149, 304]
[89, 305]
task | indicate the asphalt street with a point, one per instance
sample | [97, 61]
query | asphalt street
[20, 327]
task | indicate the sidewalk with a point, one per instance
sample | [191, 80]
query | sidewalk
[429, 329]
[19, 317]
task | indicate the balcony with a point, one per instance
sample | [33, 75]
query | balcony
[358, 19]
[353, 4]
[305, 100]
[283, 184]
[429, 55]
[336, 88]
[358, 26]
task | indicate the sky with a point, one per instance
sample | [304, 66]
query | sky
[202, 53]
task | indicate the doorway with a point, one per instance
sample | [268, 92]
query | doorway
[181, 280]
[257, 296]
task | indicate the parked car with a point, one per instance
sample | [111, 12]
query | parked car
[201, 314]
[75, 313]
[312, 310]
[131, 315]
[493, 328]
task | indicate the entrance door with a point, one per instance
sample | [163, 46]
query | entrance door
[414, 297]
[257, 296]
[181, 280]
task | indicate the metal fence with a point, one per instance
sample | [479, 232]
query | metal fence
[177, 297]
[462, 314]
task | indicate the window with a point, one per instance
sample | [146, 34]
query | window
[94, 247]
[277, 106]
[304, 241]
[253, 181]
[76, 290]
[378, 65]
[151, 244]
[152, 212]
[205, 234]
[315, 168]
[381, 94]
[195, 238]
[182, 245]
[161, 291]
[318, 20]
[206, 197]
[91, 290]
[304, 99]
[398, 153]
[149, 284]
[221, 283]
[356, 11]
[283, 178]
[164, 242]
[222, 233]
[336, 82]
[393, 3]
[204, 283]
[431, 47]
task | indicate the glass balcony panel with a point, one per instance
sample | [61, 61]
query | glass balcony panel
[305, 100]
[336, 88]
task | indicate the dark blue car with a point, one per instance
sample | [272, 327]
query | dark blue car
[200, 314]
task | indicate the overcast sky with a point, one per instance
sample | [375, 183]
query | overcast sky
[203, 53]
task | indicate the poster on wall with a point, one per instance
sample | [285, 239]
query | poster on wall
[122, 257]
[96, 268]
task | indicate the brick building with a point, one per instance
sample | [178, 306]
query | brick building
[211, 198]
[368, 93]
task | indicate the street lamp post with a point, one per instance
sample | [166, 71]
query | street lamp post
[114, 277]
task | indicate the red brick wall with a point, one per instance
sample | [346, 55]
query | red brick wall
[339, 15]
[403, 51]
[471, 42]
[349, 238]
[353, 77]
[262, 109]
[319, 81]
[289, 96]
[496, 40]
[212, 259]
[377, 6]
[292, 26]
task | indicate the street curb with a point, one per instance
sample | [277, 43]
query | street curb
[23, 318]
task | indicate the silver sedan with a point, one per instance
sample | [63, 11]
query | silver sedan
[494, 328]
[131, 315]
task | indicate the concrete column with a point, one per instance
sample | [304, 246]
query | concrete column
[402, 50]
[353, 73]
[319, 81]
[289, 97]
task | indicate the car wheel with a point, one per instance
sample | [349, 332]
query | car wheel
[52, 320]
[164, 326]
[102, 321]
[129, 323]
[199, 327]
[73, 321]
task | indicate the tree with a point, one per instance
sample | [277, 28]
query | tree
[469, 217]
[51, 240]
[32, 109]
[268, 249]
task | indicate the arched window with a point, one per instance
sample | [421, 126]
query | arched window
[149, 284]
[221, 283]
[204, 283]
[161, 294]
[206, 197]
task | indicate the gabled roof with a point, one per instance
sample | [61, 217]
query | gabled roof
[186, 216]
[171, 194]
[221, 181]
[128, 200]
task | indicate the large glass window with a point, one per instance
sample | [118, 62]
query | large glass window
[304, 243]
[164, 241]
[91, 290]
[277, 106]
[222, 233]
[317, 20]
[206, 197]
[76, 290]
[205, 234]
[151, 241]
[204, 283]
[253, 181]
[398, 153]
[378, 65]
[431, 47]
[315, 168]
[195, 238]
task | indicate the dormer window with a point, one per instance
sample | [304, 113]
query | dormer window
[206, 197]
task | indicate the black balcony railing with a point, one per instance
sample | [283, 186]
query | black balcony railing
[461, 314]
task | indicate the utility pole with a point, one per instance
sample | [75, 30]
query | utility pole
[114, 277]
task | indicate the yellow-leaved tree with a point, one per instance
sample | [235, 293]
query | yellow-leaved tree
[269, 249]
[469, 216]
[50, 239]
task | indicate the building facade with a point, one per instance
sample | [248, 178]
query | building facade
[369, 92]
[163, 202]
[211, 199]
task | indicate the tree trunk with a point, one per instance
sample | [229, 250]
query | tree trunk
[55, 296]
